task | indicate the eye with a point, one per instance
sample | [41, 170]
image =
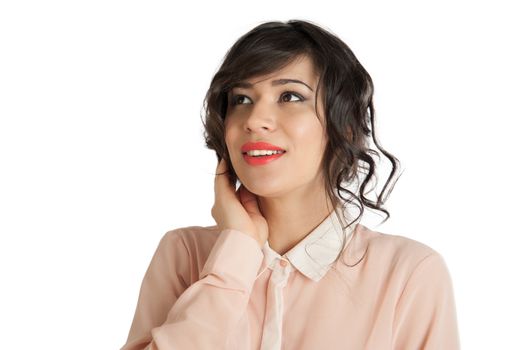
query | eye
[238, 99]
[288, 95]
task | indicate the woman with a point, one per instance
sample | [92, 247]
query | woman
[290, 115]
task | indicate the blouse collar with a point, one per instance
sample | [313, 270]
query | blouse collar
[314, 255]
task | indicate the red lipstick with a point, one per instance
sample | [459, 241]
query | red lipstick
[249, 146]
[260, 160]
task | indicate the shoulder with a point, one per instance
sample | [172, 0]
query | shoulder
[388, 264]
[191, 236]
[195, 239]
[373, 247]
[182, 252]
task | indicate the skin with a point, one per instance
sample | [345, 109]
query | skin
[284, 200]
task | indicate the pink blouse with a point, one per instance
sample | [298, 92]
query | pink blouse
[211, 289]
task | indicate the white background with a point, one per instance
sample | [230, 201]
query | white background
[101, 149]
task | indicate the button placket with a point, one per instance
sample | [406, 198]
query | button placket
[272, 331]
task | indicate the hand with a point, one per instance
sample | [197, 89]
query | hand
[238, 210]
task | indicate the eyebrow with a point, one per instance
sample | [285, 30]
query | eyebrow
[247, 85]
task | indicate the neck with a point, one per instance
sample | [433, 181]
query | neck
[292, 217]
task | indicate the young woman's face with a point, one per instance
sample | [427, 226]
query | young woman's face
[281, 113]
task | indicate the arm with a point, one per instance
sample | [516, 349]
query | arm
[206, 312]
[425, 315]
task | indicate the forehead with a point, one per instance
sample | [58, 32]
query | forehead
[301, 68]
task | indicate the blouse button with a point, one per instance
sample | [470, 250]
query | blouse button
[283, 263]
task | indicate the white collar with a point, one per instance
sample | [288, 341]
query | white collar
[314, 255]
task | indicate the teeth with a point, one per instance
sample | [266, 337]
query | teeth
[262, 152]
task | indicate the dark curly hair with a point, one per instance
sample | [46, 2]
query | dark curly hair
[347, 94]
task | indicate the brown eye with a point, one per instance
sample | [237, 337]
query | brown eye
[238, 99]
[288, 96]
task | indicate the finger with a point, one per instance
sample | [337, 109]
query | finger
[249, 200]
[222, 185]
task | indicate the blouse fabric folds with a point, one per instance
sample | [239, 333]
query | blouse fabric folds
[211, 289]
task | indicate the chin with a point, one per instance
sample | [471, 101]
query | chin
[266, 189]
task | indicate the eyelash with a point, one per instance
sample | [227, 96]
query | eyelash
[235, 97]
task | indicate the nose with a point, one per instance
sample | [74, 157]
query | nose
[261, 117]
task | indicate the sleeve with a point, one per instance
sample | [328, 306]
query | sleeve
[204, 315]
[425, 316]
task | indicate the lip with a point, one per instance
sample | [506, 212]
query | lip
[249, 146]
[261, 160]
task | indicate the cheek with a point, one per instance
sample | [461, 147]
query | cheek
[230, 137]
[306, 135]
[228, 131]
